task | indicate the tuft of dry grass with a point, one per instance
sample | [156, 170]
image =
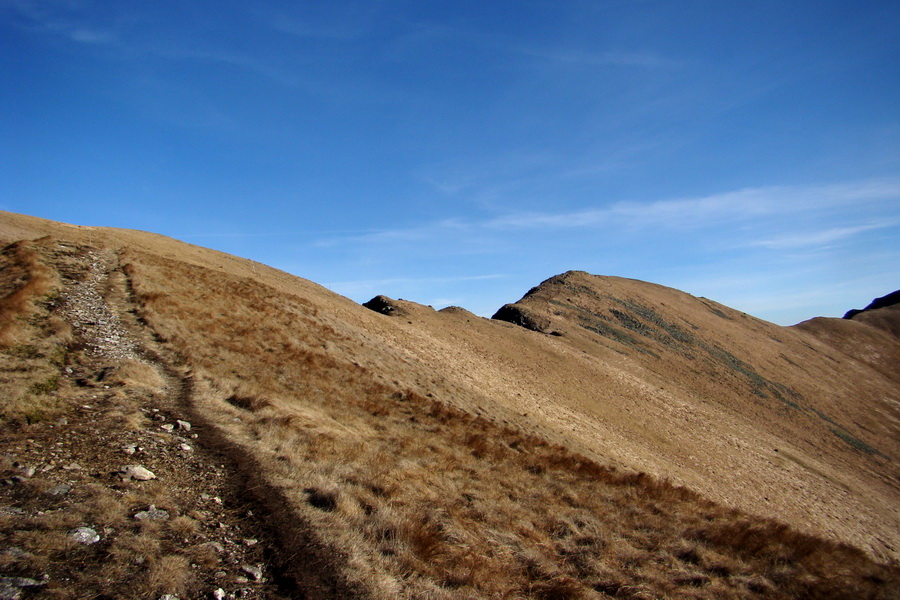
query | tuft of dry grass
[168, 574]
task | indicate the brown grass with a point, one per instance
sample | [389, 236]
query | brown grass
[33, 341]
[24, 279]
[426, 500]
[169, 574]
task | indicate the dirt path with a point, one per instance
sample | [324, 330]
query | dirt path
[298, 564]
[214, 530]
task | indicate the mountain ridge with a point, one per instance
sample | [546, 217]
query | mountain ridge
[390, 433]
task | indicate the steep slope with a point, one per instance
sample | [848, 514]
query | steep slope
[436, 454]
[756, 415]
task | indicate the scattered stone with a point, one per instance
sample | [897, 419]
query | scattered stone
[59, 490]
[183, 425]
[84, 535]
[62, 421]
[250, 542]
[219, 548]
[72, 467]
[219, 594]
[220, 575]
[168, 597]
[11, 587]
[167, 427]
[129, 449]
[11, 510]
[254, 571]
[27, 470]
[15, 552]
[137, 472]
[152, 514]
[186, 448]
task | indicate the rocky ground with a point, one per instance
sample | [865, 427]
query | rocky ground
[119, 494]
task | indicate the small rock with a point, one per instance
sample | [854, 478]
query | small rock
[84, 535]
[186, 448]
[11, 587]
[220, 575]
[219, 594]
[168, 597]
[62, 421]
[27, 470]
[129, 449]
[15, 552]
[72, 467]
[250, 542]
[152, 514]
[216, 546]
[254, 571]
[167, 427]
[183, 425]
[137, 472]
[59, 490]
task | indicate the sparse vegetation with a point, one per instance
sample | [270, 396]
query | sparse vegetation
[375, 487]
[427, 500]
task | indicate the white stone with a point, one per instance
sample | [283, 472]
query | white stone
[138, 472]
[84, 535]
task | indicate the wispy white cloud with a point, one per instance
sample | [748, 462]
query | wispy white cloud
[817, 238]
[699, 212]
[750, 206]
[66, 19]
[607, 58]
[353, 288]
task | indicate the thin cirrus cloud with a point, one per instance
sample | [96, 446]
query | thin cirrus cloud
[818, 238]
[601, 59]
[352, 288]
[746, 206]
[706, 211]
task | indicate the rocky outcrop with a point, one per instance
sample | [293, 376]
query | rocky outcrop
[382, 304]
[517, 315]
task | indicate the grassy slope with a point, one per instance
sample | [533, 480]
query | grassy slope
[420, 449]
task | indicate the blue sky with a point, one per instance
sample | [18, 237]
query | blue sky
[462, 152]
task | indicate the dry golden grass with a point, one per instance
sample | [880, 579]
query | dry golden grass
[24, 279]
[32, 340]
[408, 494]
[426, 500]
[168, 574]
